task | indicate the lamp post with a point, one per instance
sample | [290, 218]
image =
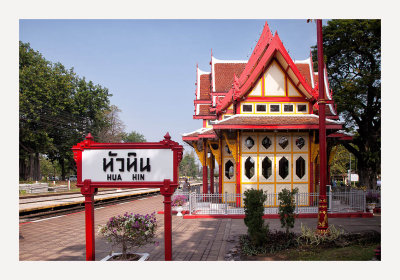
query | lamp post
[322, 226]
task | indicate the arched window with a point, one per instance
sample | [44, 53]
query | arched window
[229, 171]
[266, 167]
[300, 167]
[249, 167]
[283, 167]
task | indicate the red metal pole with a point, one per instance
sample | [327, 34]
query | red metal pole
[212, 174]
[89, 220]
[322, 205]
[238, 170]
[205, 171]
[220, 175]
[167, 220]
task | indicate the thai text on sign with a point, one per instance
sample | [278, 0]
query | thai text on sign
[127, 165]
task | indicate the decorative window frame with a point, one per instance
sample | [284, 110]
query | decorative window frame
[272, 104]
[297, 108]
[288, 112]
[247, 112]
[261, 112]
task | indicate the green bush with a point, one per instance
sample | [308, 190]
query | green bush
[254, 211]
[286, 208]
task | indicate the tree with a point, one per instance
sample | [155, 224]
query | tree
[352, 49]
[286, 208]
[254, 210]
[188, 166]
[133, 137]
[340, 163]
[56, 110]
[113, 131]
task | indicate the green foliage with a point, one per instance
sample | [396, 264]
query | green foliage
[312, 237]
[188, 166]
[352, 50]
[133, 137]
[129, 230]
[56, 110]
[277, 241]
[340, 163]
[254, 211]
[286, 208]
[48, 168]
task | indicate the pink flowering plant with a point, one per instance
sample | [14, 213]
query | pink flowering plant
[179, 200]
[130, 231]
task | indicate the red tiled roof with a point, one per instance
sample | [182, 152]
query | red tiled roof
[224, 75]
[204, 110]
[205, 83]
[304, 70]
[273, 120]
[204, 133]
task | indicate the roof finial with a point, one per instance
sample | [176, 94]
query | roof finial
[167, 136]
[89, 137]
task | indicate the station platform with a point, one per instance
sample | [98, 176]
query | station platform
[37, 203]
[62, 238]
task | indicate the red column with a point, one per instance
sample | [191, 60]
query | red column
[322, 206]
[88, 192]
[238, 170]
[205, 171]
[220, 176]
[212, 174]
[167, 192]
[311, 183]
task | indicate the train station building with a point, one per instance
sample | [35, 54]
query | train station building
[260, 121]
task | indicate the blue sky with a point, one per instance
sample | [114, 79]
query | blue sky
[150, 65]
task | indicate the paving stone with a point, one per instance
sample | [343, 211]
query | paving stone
[63, 238]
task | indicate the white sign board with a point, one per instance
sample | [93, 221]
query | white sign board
[354, 177]
[127, 165]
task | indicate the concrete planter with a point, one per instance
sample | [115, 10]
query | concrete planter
[371, 207]
[179, 209]
[144, 256]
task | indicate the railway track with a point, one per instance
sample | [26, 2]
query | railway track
[102, 200]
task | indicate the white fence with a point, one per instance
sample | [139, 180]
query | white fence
[230, 204]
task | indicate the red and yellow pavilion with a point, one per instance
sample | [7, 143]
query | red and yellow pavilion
[260, 121]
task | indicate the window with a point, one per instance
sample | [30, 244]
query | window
[261, 108]
[283, 167]
[300, 167]
[288, 108]
[275, 108]
[227, 150]
[266, 167]
[266, 142]
[229, 169]
[247, 108]
[249, 167]
[302, 108]
[300, 142]
[249, 142]
[283, 142]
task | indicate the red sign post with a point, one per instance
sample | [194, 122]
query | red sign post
[127, 165]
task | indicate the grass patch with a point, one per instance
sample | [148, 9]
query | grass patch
[350, 253]
[310, 246]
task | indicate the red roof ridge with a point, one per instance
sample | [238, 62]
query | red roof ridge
[266, 49]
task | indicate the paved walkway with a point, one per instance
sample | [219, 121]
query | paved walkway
[63, 238]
